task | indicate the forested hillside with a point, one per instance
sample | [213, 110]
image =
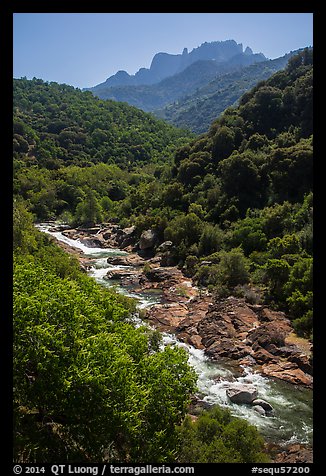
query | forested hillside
[56, 125]
[90, 387]
[198, 110]
[238, 198]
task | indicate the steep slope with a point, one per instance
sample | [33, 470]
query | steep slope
[197, 111]
[155, 96]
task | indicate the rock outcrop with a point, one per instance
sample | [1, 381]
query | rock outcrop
[252, 335]
[292, 453]
[147, 239]
[263, 404]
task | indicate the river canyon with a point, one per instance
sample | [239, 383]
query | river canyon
[189, 317]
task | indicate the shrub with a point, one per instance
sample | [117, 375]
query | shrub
[217, 437]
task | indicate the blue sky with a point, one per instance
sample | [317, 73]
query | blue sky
[83, 49]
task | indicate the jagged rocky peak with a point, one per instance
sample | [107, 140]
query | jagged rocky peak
[164, 65]
[248, 51]
[217, 50]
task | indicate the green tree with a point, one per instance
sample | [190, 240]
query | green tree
[217, 437]
[241, 179]
[184, 228]
[223, 143]
[210, 240]
[233, 268]
[277, 273]
[23, 228]
[88, 212]
[80, 370]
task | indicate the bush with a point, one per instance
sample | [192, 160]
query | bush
[210, 240]
[233, 268]
[227, 269]
[251, 295]
[303, 325]
[217, 437]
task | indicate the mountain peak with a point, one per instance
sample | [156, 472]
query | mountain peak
[248, 51]
[164, 65]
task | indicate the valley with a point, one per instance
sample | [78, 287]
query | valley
[181, 295]
[163, 306]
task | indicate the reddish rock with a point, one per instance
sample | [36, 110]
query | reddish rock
[270, 333]
[263, 356]
[127, 260]
[288, 371]
[226, 348]
[294, 453]
[230, 328]
[196, 341]
[119, 274]
[167, 317]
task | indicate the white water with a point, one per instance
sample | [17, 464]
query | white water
[292, 419]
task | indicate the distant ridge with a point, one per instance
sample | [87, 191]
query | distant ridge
[164, 65]
[171, 77]
[197, 110]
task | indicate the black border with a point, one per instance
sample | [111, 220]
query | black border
[6, 51]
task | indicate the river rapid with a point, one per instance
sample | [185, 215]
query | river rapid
[292, 419]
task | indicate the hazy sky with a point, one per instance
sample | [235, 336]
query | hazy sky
[83, 49]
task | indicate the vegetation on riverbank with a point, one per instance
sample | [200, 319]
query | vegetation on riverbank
[82, 369]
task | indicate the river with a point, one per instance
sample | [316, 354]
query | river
[292, 419]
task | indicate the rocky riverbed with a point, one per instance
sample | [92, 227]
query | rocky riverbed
[231, 330]
[247, 334]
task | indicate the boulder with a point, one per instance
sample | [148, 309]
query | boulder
[71, 233]
[165, 246]
[127, 237]
[126, 260]
[294, 453]
[269, 333]
[259, 410]
[147, 239]
[242, 393]
[262, 403]
[302, 361]
[262, 356]
[225, 348]
[162, 274]
[118, 275]
[92, 242]
[288, 371]
[247, 361]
